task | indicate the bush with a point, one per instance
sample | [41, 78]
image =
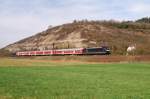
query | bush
[4, 53]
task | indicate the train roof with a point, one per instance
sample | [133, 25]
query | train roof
[96, 47]
[56, 49]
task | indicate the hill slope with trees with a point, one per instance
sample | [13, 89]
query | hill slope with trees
[117, 35]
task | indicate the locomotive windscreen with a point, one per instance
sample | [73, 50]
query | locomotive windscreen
[90, 50]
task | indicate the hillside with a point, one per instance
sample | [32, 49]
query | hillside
[117, 35]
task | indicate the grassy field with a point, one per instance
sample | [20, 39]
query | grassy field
[40, 79]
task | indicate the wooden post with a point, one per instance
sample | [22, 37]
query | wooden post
[68, 45]
[53, 45]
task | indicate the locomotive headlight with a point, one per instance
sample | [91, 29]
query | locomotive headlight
[108, 50]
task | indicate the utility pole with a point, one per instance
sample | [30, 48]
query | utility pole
[68, 45]
[53, 46]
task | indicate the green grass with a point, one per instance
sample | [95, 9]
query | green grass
[73, 81]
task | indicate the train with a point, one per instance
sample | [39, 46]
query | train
[72, 51]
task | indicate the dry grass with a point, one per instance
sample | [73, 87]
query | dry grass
[67, 60]
[27, 62]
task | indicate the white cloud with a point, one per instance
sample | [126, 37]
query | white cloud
[140, 8]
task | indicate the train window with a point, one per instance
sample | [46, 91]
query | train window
[102, 49]
[95, 50]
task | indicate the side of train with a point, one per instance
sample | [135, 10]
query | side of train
[74, 51]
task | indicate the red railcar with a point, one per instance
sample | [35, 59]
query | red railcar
[75, 51]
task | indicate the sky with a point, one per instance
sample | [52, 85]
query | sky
[23, 18]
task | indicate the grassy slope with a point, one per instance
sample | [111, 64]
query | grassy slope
[77, 81]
